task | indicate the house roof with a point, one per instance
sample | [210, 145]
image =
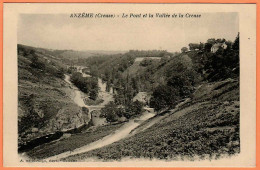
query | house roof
[141, 96]
[216, 45]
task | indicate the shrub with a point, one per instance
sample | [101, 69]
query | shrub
[110, 112]
[133, 109]
[87, 85]
[36, 63]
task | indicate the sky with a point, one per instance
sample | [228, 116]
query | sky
[59, 31]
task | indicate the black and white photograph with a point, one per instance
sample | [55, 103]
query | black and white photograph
[108, 86]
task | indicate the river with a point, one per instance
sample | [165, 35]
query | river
[78, 99]
[121, 133]
[79, 96]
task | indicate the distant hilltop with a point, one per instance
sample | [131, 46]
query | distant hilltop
[69, 54]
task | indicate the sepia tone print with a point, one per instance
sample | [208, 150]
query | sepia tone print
[127, 90]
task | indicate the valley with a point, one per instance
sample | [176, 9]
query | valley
[134, 105]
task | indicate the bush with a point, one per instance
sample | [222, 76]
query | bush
[71, 70]
[87, 85]
[93, 94]
[113, 112]
[179, 86]
[184, 49]
[110, 112]
[164, 96]
[36, 63]
[146, 62]
[133, 109]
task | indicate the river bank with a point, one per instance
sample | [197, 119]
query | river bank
[119, 134]
[77, 97]
[87, 140]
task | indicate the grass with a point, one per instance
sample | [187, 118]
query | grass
[44, 102]
[71, 143]
[205, 129]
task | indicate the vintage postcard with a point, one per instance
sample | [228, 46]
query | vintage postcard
[129, 85]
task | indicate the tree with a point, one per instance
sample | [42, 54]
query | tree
[110, 112]
[208, 47]
[201, 46]
[93, 94]
[133, 108]
[146, 62]
[164, 96]
[87, 85]
[183, 82]
[224, 63]
[236, 43]
[60, 73]
[184, 49]
[72, 70]
[36, 63]
[194, 46]
[94, 71]
[211, 41]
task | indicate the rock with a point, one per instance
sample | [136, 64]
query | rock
[34, 130]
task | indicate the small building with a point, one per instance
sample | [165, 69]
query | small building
[216, 46]
[142, 97]
[224, 46]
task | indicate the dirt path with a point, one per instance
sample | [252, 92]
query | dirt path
[157, 118]
[121, 133]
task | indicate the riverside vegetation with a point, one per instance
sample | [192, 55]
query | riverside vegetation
[205, 125]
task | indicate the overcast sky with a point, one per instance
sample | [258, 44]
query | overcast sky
[59, 31]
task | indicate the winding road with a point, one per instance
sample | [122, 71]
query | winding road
[121, 133]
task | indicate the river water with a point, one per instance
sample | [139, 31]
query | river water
[79, 96]
[78, 99]
[121, 133]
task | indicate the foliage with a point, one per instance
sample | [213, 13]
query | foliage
[173, 77]
[194, 46]
[208, 47]
[36, 63]
[88, 85]
[50, 68]
[163, 96]
[110, 112]
[184, 49]
[205, 131]
[71, 70]
[146, 62]
[181, 79]
[224, 63]
[236, 43]
[94, 71]
[149, 53]
[93, 94]
[133, 109]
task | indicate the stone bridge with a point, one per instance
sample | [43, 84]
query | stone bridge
[92, 108]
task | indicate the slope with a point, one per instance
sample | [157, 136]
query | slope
[45, 102]
[205, 127]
